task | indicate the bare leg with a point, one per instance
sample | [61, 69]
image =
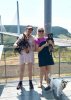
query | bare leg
[30, 75]
[22, 67]
[48, 71]
[45, 75]
[30, 71]
[42, 70]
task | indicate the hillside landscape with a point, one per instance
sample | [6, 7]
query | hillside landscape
[58, 32]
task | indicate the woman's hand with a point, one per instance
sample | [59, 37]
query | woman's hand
[40, 48]
[15, 45]
[46, 44]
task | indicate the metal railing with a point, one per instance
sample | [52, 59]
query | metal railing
[9, 64]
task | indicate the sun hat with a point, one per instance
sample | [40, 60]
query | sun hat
[29, 27]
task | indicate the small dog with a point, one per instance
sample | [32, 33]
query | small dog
[22, 44]
[57, 85]
[50, 41]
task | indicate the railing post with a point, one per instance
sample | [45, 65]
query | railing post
[59, 60]
[5, 66]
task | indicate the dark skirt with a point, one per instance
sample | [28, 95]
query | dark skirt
[45, 57]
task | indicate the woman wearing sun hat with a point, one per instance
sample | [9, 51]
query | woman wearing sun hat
[26, 58]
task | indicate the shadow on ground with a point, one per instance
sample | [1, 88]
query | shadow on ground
[34, 95]
[1, 89]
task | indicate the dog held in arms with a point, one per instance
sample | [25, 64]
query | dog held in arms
[50, 40]
[22, 44]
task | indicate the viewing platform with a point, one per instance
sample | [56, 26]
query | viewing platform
[8, 91]
[9, 77]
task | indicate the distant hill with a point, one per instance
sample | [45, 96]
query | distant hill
[58, 32]
[13, 29]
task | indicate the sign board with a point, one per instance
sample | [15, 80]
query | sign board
[1, 50]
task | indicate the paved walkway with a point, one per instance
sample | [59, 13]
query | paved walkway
[8, 92]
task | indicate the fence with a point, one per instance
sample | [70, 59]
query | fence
[9, 64]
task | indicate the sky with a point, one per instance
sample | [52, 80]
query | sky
[31, 12]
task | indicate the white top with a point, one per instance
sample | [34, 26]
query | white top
[28, 57]
[31, 42]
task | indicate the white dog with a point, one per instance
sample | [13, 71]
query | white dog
[58, 84]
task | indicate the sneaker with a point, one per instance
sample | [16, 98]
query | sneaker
[47, 88]
[19, 86]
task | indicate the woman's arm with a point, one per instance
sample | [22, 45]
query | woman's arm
[38, 49]
[34, 46]
[18, 39]
[15, 44]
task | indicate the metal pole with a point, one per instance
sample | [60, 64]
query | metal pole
[1, 30]
[18, 22]
[47, 16]
[59, 60]
[2, 39]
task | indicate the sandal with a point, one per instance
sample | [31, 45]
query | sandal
[39, 86]
[47, 88]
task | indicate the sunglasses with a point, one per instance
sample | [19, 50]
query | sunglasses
[40, 30]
